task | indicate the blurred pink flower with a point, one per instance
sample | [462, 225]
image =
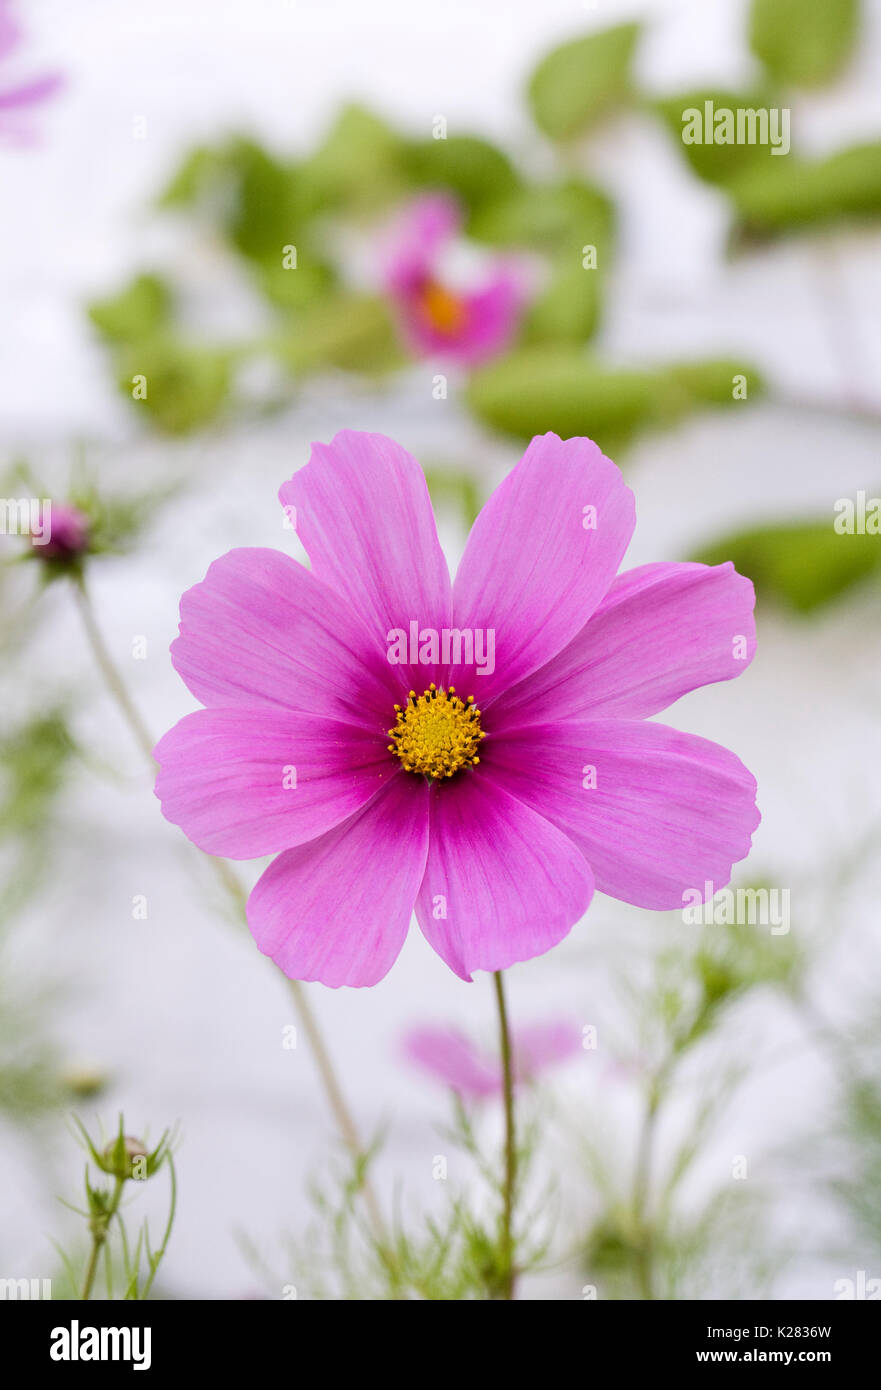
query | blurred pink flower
[334, 739]
[467, 326]
[17, 100]
[68, 533]
[455, 1060]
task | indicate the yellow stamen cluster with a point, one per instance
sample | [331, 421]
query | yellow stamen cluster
[444, 310]
[436, 733]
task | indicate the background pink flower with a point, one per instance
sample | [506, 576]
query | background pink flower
[17, 100]
[436, 317]
[454, 1059]
[68, 533]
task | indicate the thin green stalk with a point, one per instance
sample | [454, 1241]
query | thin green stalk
[510, 1182]
[99, 1236]
[641, 1186]
[230, 881]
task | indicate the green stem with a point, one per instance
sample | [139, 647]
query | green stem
[641, 1184]
[233, 886]
[510, 1182]
[99, 1236]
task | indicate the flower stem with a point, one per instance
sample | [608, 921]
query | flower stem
[99, 1235]
[641, 1185]
[510, 1183]
[233, 886]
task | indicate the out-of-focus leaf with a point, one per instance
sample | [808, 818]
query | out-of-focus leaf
[475, 170]
[803, 44]
[453, 485]
[551, 218]
[352, 332]
[552, 388]
[568, 310]
[200, 170]
[359, 165]
[268, 211]
[801, 564]
[787, 194]
[714, 382]
[186, 386]
[138, 311]
[567, 222]
[35, 765]
[577, 83]
[716, 163]
[295, 287]
[258, 202]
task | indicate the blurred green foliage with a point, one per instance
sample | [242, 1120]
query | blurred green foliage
[801, 564]
[793, 194]
[803, 44]
[564, 390]
[581, 81]
[646, 1241]
[716, 163]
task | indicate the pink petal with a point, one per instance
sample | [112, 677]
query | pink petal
[337, 909]
[453, 1059]
[540, 1045]
[501, 883]
[669, 811]
[247, 782]
[661, 631]
[532, 571]
[261, 630]
[364, 515]
[31, 92]
[9, 30]
[417, 237]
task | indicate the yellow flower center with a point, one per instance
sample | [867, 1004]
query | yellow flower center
[443, 309]
[436, 733]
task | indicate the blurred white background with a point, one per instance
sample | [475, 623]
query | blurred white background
[182, 1011]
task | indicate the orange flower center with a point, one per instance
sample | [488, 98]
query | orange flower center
[444, 310]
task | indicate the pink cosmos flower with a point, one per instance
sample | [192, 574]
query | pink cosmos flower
[436, 317]
[67, 533]
[16, 100]
[335, 735]
[453, 1059]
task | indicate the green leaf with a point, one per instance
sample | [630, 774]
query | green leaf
[359, 164]
[801, 564]
[475, 170]
[295, 288]
[560, 221]
[551, 218]
[259, 203]
[348, 331]
[715, 163]
[271, 204]
[581, 81]
[803, 44]
[568, 310]
[136, 312]
[187, 386]
[790, 194]
[560, 389]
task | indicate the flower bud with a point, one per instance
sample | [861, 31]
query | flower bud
[66, 533]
